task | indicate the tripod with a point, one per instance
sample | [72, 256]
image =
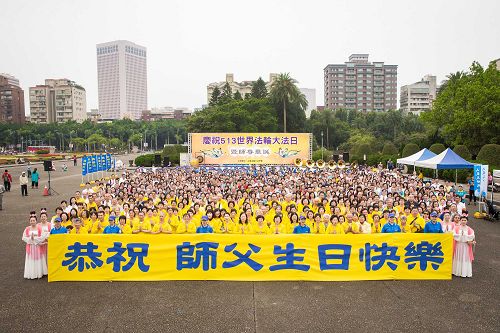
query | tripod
[51, 190]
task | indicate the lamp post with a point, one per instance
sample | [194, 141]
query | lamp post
[322, 145]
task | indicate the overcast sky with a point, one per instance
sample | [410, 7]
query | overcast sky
[193, 43]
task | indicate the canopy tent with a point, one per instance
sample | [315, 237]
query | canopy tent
[424, 154]
[448, 159]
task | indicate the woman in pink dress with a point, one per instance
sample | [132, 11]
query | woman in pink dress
[34, 265]
[447, 224]
[46, 226]
[463, 256]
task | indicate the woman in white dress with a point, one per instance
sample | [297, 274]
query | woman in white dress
[463, 256]
[34, 265]
[46, 226]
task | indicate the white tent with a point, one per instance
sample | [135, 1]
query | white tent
[424, 154]
[448, 159]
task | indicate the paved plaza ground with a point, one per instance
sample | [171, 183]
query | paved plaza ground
[459, 305]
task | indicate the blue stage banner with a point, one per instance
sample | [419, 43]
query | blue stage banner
[84, 165]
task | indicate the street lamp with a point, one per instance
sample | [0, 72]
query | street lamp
[322, 145]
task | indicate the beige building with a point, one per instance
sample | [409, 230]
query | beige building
[418, 97]
[244, 87]
[57, 101]
[361, 85]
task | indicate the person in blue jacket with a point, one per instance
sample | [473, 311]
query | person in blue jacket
[433, 226]
[391, 226]
[302, 228]
[112, 228]
[204, 228]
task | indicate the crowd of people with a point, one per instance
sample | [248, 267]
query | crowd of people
[262, 200]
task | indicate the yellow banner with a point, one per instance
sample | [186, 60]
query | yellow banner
[250, 257]
[250, 148]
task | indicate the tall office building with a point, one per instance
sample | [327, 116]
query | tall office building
[122, 80]
[418, 97]
[11, 100]
[361, 85]
[57, 101]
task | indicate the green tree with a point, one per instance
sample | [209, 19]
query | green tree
[259, 89]
[490, 153]
[250, 115]
[463, 151]
[237, 96]
[389, 149]
[285, 92]
[437, 148]
[467, 109]
[214, 99]
[410, 149]
[227, 94]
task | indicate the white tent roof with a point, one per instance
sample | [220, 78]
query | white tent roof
[424, 154]
[448, 159]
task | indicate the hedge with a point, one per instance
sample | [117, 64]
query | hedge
[389, 149]
[463, 152]
[410, 149]
[437, 148]
[490, 153]
[145, 160]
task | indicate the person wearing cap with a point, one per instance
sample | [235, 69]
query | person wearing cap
[112, 228]
[78, 228]
[23, 181]
[204, 228]
[433, 226]
[162, 226]
[58, 228]
[302, 228]
[391, 226]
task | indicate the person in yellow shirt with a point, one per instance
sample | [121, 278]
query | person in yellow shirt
[162, 226]
[376, 225]
[186, 226]
[415, 221]
[310, 219]
[294, 221]
[151, 218]
[350, 227]
[100, 224]
[261, 227]
[65, 221]
[321, 227]
[244, 226]
[278, 227]
[78, 228]
[335, 227]
[124, 226]
[141, 225]
[403, 222]
[226, 226]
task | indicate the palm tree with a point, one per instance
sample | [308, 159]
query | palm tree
[284, 91]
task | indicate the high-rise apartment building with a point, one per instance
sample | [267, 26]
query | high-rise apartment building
[361, 85]
[11, 100]
[57, 101]
[418, 97]
[122, 80]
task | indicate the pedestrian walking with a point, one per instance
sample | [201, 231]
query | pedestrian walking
[23, 181]
[7, 180]
[2, 190]
[74, 160]
[35, 177]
